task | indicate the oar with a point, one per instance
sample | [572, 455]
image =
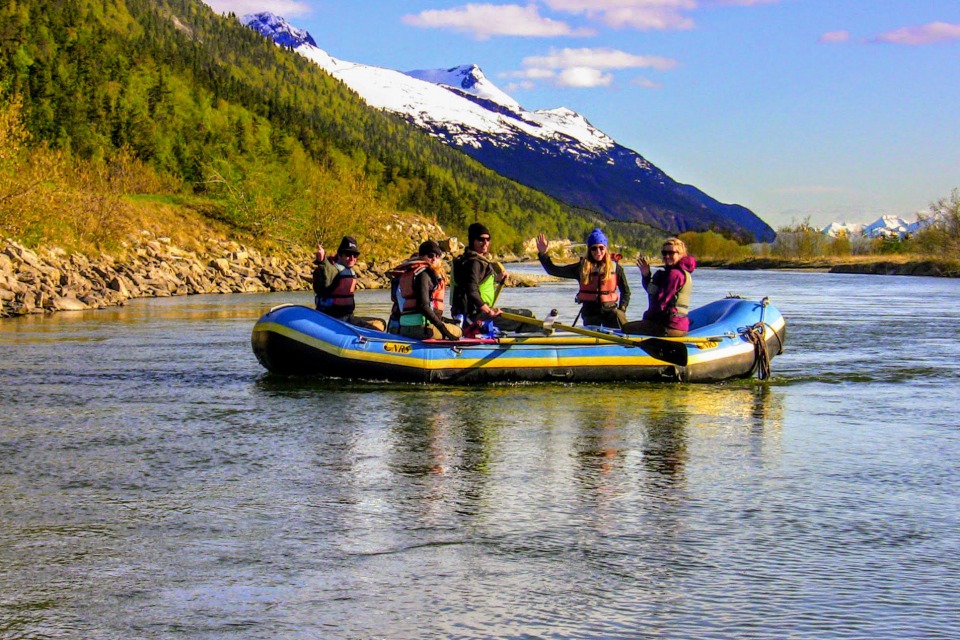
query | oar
[496, 295]
[498, 269]
[673, 352]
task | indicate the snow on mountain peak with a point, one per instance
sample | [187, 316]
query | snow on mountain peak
[470, 79]
[460, 101]
[885, 226]
[278, 29]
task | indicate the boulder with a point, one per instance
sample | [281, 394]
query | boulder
[117, 284]
[62, 303]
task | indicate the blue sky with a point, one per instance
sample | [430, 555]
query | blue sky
[819, 110]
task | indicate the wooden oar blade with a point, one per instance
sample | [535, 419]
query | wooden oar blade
[673, 352]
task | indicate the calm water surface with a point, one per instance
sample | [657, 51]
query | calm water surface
[155, 482]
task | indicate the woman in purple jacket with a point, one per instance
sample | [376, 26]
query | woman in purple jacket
[668, 292]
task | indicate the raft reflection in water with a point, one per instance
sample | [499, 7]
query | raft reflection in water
[460, 452]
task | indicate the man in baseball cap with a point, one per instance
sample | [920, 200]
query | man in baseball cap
[335, 282]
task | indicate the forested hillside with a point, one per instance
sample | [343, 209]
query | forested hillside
[166, 98]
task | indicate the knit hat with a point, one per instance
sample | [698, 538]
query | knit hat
[476, 230]
[429, 247]
[596, 237]
[349, 245]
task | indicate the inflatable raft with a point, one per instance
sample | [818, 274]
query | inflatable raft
[729, 338]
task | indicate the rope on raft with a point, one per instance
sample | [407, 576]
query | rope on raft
[761, 363]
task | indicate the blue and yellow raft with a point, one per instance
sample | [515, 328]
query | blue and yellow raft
[729, 338]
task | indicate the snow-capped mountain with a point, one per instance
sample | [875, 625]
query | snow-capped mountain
[883, 227]
[556, 151]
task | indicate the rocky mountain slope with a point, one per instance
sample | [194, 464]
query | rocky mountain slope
[556, 151]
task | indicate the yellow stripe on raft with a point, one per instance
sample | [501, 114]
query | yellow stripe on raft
[455, 362]
[706, 351]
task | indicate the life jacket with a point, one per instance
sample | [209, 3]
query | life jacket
[680, 305]
[338, 298]
[487, 287]
[406, 295]
[599, 291]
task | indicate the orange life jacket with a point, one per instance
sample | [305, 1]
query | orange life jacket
[407, 294]
[600, 291]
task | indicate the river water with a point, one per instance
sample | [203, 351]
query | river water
[155, 482]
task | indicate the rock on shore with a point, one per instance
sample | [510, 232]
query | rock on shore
[49, 280]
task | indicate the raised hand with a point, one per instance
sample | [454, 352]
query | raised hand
[542, 244]
[644, 267]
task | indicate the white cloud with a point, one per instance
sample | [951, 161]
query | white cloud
[835, 37]
[525, 85]
[644, 15]
[931, 33]
[588, 67]
[284, 8]
[602, 58]
[583, 77]
[530, 74]
[486, 20]
[740, 3]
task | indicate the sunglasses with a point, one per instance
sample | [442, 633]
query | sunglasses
[350, 254]
[484, 238]
[668, 253]
[434, 255]
[598, 247]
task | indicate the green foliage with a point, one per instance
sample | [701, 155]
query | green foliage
[840, 246]
[710, 245]
[941, 238]
[889, 245]
[801, 242]
[287, 149]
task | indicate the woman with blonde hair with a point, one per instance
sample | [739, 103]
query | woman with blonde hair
[604, 293]
[668, 292]
[418, 287]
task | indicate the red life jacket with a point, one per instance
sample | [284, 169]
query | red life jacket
[409, 297]
[597, 291]
[340, 292]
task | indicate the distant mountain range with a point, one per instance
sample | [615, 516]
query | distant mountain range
[556, 151]
[883, 227]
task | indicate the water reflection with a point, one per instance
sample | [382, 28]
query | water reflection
[458, 453]
[155, 482]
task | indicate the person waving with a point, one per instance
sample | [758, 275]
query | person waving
[604, 292]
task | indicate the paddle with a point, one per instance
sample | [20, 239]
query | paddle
[673, 352]
[498, 269]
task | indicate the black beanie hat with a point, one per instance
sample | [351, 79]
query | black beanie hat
[349, 245]
[428, 247]
[476, 230]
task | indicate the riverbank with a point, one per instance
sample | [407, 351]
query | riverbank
[875, 265]
[49, 280]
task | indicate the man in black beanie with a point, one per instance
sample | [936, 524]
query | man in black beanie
[475, 284]
[476, 231]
